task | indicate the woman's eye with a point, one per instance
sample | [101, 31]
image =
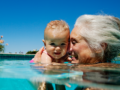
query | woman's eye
[62, 44]
[53, 44]
[74, 42]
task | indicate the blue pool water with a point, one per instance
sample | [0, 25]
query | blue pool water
[22, 75]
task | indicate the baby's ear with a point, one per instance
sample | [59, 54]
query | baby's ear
[44, 42]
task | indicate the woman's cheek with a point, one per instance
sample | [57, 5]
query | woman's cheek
[77, 48]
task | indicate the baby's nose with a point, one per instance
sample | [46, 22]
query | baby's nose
[57, 48]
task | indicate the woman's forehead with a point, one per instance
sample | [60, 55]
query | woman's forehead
[75, 33]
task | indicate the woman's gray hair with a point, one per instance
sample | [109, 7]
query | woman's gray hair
[99, 29]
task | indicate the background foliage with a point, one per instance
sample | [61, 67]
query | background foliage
[31, 52]
[1, 48]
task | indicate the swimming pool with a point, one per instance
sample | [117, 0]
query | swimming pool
[21, 75]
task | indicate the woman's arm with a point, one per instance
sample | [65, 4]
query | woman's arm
[45, 58]
[37, 57]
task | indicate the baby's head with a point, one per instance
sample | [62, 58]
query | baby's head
[56, 38]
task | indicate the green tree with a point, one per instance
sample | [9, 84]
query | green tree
[2, 48]
[31, 52]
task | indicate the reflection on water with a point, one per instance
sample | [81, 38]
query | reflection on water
[97, 78]
[106, 76]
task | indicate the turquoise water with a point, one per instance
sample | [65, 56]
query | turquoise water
[116, 60]
[21, 75]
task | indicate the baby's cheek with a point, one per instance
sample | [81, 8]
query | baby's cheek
[50, 50]
[64, 51]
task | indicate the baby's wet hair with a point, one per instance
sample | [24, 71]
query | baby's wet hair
[57, 26]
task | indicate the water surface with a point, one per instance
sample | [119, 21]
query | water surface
[21, 75]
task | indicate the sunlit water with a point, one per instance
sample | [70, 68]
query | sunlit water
[22, 75]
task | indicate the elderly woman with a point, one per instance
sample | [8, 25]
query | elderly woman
[94, 39]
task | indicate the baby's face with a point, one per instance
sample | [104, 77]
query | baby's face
[57, 45]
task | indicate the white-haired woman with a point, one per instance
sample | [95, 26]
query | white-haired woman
[95, 38]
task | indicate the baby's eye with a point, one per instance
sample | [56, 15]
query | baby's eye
[53, 44]
[62, 44]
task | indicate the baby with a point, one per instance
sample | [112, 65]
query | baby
[56, 42]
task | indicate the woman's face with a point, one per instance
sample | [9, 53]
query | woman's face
[79, 46]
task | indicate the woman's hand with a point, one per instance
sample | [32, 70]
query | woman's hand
[37, 56]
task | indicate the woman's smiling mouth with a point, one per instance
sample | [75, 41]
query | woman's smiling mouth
[75, 56]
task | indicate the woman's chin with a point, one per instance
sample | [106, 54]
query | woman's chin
[75, 60]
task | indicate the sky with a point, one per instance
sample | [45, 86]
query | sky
[22, 22]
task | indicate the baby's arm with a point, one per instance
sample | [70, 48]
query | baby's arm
[45, 58]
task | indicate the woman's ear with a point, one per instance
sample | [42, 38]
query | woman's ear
[44, 43]
[104, 46]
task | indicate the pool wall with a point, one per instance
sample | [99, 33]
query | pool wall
[16, 56]
[28, 56]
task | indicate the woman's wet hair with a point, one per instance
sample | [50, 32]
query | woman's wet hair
[99, 29]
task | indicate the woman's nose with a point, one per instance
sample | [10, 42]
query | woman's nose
[71, 47]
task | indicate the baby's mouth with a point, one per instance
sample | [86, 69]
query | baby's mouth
[57, 53]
